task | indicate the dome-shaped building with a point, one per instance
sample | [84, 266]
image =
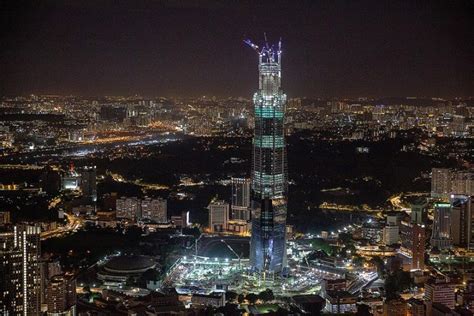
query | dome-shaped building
[122, 268]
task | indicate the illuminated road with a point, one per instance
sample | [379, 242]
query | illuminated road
[397, 203]
[73, 224]
[146, 186]
[347, 208]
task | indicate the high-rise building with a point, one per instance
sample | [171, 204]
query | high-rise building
[416, 307]
[461, 220]
[218, 215]
[441, 234]
[463, 183]
[439, 291]
[413, 239]
[269, 166]
[4, 218]
[395, 307]
[48, 269]
[391, 231]
[390, 235]
[89, 183]
[418, 212]
[128, 208]
[240, 202]
[61, 296]
[20, 281]
[50, 180]
[445, 182]
[418, 247]
[440, 182]
[154, 209]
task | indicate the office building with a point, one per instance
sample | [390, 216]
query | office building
[440, 290]
[61, 296]
[48, 269]
[395, 307]
[416, 307]
[463, 183]
[340, 302]
[4, 218]
[372, 231]
[390, 235]
[269, 166]
[181, 221]
[441, 235]
[20, 283]
[50, 180]
[128, 208]
[418, 236]
[461, 220]
[413, 238]
[89, 183]
[218, 216]
[418, 212]
[154, 209]
[445, 182]
[240, 201]
[440, 182]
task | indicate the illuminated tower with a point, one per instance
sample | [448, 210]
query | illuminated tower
[269, 168]
[20, 281]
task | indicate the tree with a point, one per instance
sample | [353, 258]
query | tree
[230, 309]
[345, 238]
[210, 310]
[397, 282]
[363, 310]
[358, 261]
[266, 295]
[379, 263]
[240, 298]
[230, 296]
[133, 233]
[252, 298]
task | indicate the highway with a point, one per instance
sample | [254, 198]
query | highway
[73, 224]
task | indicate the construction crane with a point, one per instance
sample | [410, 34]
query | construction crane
[235, 253]
[267, 50]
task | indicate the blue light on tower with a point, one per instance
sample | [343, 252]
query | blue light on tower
[269, 166]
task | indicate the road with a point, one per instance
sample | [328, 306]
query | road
[397, 203]
[363, 280]
[73, 224]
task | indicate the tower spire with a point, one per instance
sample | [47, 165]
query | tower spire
[269, 172]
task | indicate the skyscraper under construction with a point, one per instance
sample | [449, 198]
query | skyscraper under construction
[269, 166]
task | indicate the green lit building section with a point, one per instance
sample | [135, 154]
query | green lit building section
[269, 141]
[268, 112]
[269, 172]
[268, 178]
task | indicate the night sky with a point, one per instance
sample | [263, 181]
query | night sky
[192, 48]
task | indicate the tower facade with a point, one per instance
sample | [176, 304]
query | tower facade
[240, 206]
[269, 184]
[441, 236]
[20, 281]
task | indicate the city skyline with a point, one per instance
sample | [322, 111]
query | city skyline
[168, 48]
[138, 202]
